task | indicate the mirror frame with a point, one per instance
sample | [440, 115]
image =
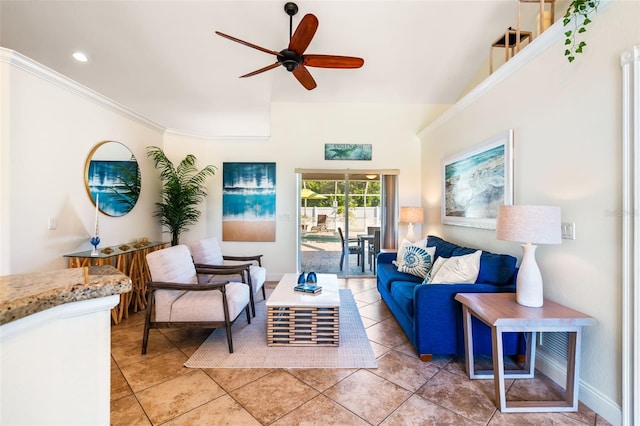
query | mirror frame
[107, 206]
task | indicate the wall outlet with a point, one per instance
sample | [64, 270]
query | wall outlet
[568, 230]
[53, 223]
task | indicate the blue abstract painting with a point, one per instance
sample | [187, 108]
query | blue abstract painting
[249, 201]
[117, 182]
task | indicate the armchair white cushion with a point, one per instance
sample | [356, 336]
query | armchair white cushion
[208, 252]
[198, 304]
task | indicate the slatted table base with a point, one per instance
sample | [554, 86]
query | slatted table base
[302, 326]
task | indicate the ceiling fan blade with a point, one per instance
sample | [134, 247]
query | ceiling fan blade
[246, 43]
[332, 61]
[267, 68]
[303, 75]
[303, 34]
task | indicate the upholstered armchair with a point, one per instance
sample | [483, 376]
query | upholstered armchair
[207, 252]
[177, 299]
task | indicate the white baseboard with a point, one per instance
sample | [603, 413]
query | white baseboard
[587, 394]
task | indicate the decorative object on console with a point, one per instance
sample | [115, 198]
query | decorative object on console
[183, 188]
[249, 201]
[95, 240]
[530, 225]
[112, 170]
[477, 181]
[411, 215]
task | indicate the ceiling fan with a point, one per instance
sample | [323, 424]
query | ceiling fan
[293, 57]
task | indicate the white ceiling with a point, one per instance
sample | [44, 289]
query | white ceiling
[162, 59]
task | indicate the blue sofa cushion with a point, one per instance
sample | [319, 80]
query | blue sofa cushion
[496, 269]
[388, 274]
[402, 293]
[443, 248]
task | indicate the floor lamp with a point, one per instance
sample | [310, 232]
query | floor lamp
[529, 225]
[411, 215]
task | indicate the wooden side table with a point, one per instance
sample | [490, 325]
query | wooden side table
[502, 313]
[131, 262]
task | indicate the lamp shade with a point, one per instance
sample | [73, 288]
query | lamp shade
[529, 224]
[411, 215]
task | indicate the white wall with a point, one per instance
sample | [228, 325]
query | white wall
[567, 123]
[47, 131]
[299, 132]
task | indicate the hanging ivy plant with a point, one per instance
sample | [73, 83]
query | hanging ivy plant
[577, 9]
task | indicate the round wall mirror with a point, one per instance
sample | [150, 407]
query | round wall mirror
[112, 178]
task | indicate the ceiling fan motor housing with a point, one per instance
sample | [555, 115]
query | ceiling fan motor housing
[290, 59]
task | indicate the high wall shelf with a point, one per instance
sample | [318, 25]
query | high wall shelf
[513, 40]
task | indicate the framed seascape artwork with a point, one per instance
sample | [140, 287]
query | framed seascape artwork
[249, 201]
[477, 181]
[112, 178]
[347, 151]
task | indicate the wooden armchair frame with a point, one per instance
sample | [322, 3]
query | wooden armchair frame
[221, 286]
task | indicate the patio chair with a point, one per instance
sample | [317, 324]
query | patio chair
[374, 249]
[207, 252]
[321, 224]
[353, 247]
[176, 299]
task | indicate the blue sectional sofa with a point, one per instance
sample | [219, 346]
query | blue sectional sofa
[428, 313]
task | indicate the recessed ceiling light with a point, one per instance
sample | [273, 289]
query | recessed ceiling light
[79, 56]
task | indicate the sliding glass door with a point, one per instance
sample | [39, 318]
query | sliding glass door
[340, 221]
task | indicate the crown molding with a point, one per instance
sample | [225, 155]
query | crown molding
[538, 46]
[24, 63]
[253, 138]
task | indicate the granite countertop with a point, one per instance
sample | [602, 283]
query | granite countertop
[26, 294]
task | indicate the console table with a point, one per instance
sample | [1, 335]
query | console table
[502, 313]
[130, 261]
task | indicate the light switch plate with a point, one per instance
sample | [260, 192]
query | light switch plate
[568, 230]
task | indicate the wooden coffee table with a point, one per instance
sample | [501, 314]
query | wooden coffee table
[302, 319]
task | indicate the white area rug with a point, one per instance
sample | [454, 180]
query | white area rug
[251, 350]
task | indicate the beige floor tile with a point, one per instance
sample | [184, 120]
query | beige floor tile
[377, 311]
[320, 411]
[472, 399]
[177, 396]
[127, 412]
[321, 379]
[417, 411]
[130, 352]
[367, 395]
[187, 339]
[233, 378]
[387, 333]
[378, 349]
[153, 371]
[532, 419]
[367, 322]
[404, 370]
[274, 395]
[220, 411]
[119, 386]
[368, 296]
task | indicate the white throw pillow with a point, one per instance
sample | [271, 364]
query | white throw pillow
[456, 269]
[403, 249]
[417, 260]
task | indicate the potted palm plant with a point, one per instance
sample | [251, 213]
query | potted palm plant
[183, 188]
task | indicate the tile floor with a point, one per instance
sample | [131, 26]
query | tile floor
[157, 389]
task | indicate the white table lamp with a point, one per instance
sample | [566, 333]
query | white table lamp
[411, 215]
[529, 225]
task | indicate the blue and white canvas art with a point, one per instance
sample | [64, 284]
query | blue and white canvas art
[249, 201]
[347, 151]
[477, 182]
[112, 173]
